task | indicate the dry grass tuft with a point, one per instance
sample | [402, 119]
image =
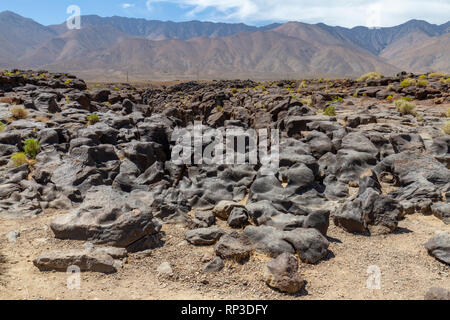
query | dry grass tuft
[370, 76]
[405, 107]
[19, 112]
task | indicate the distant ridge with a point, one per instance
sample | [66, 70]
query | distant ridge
[151, 49]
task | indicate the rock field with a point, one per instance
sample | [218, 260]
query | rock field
[363, 180]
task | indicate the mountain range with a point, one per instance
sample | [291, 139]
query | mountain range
[110, 48]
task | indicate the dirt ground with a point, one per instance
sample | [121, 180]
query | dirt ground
[407, 271]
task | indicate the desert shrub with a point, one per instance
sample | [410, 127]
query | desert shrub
[407, 83]
[446, 127]
[405, 107]
[407, 98]
[68, 81]
[370, 76]
[390, 87]
[31, 147]
[423, 76]
[337, 99]
[307, 101]
[437, 75]
[422, 83]
[19, 159]
[389, 98]
[2, 126]
[419, 117]
[42, 119]
[19, 112]
[447, 114]
[92, 118]
[329, 111]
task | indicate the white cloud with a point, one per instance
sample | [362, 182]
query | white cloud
[127, 5]
[334, 12]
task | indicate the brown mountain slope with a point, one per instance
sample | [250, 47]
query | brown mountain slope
[420, 53]
[261, 54]
[111, 47]
[73, 44]
[19, 35]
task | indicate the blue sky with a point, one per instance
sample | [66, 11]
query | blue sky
[346, 13]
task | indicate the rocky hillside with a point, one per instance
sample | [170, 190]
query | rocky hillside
[358, 156]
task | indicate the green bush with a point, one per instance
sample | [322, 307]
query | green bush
[422, 83]
[407, 83]
[2, 126]
[370, 76]
[337, 99]
[31, 147]
[405, 107]
[92, 119]
[330, 111]
[19, 159]
[437, 75]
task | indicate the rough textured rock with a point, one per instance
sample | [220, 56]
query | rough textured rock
[282, 274]
[442, 211]
[165, 269]
[234, 246]
[309, 244]
[437, 294]
[439, 246]
[12, 236]
[370, 211]
[223, 208]
[86, 260]
[215, 265]
[238, 217]
[204, 236]
[107, 216]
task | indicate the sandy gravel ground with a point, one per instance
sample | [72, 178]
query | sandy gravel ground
[407, 271]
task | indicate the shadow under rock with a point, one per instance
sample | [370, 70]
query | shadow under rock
[330, 255]
[303, 292]
[335, 240]
[400, 230]
[2, 264]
